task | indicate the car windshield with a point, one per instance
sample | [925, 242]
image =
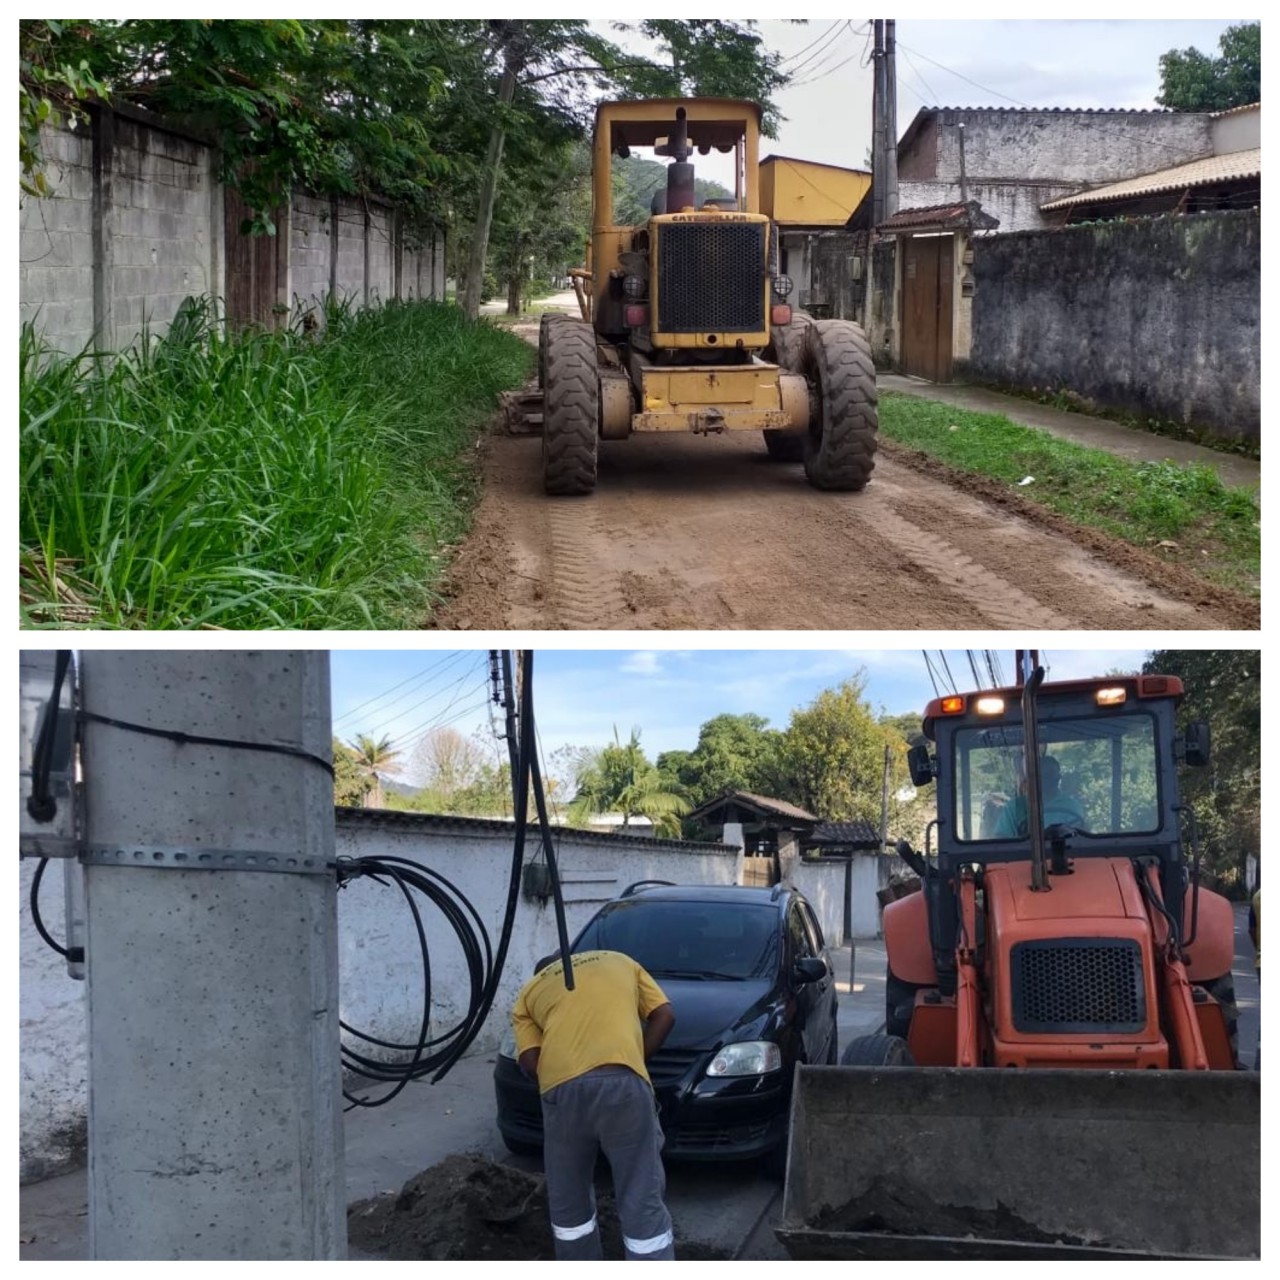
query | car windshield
[1097, 773]
[707, 940]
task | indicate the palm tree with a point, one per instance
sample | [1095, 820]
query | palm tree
[620, 779]
[375, 758]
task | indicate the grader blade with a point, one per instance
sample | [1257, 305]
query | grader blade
[934, 1162]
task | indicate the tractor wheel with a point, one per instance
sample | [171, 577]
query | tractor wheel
[786, 343]
[841, 443]
[571, 409]
[877, 1051]
[899, 999]
[1223, 990]
[548, 318]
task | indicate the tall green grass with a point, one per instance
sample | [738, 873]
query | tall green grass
[264, 481]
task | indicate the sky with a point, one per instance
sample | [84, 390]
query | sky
[580, 696]
[961, 63]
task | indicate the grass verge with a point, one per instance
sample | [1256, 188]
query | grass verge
[264, 481]
[1185, 511]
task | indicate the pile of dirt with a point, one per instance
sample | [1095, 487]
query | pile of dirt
[469, 1209]
[893, 1208]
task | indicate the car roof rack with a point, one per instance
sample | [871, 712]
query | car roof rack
[644, 884]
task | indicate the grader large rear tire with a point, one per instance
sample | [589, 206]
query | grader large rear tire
[547, 319]
[786, 347]
[841, 444]
[571, 408]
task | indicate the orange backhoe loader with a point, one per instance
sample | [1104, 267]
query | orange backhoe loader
[1058, 1073]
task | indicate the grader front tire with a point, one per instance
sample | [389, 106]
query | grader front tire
[841, 444]
[571, 408]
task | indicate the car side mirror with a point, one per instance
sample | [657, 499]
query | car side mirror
[810, 969]
[1195, 750]
[920, 764]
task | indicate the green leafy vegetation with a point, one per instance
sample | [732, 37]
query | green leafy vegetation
[1213, 528]
[273, 480]
[1193, 81]
[1224, 690]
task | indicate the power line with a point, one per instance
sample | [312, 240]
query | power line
[835, 32]
[791, 56]
[346, 715]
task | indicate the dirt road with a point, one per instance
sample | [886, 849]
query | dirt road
[709, 534]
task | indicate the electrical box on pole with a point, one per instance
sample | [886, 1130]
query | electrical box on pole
[46, 778]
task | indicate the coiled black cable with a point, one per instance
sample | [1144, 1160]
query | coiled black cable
[484, 965]
[73, 955]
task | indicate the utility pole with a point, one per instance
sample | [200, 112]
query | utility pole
[891, 119]
[884, 799]
[879, 125]
[215, 1104]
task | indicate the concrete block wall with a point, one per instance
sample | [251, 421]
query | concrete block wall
[55, 252]
[1158, 317]
[310, 247]
[350, 275]
[379, 963]
[96, 267]
[382, 255]
[164, 237]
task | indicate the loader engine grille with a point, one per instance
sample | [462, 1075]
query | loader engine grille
[1078, 985]
[711, 277]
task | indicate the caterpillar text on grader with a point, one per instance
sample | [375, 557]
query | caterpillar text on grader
[685, 324]
[1058, 1075]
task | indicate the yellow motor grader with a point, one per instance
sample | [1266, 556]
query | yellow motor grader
[685, 323]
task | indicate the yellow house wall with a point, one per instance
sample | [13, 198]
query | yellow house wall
[812, 195]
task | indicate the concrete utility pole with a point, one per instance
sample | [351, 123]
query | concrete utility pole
[879, 121]
[215, 1105]
[891, 119]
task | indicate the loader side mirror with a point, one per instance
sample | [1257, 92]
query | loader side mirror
[920, 763]
[1195, 750]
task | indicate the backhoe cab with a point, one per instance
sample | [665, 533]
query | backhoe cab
[1058, 1074]
[685, 321]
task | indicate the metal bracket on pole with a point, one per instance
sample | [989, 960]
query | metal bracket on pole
[197, 858]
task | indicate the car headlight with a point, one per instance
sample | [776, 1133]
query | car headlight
[749, 1058]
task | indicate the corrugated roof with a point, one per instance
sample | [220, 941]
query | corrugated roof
[1232, 167]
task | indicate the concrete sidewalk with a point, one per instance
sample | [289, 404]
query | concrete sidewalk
[1097, 433]
[729, 1207]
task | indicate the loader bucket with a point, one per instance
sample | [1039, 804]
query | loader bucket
[938, 1162]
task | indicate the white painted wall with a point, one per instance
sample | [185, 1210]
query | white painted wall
[380, 969]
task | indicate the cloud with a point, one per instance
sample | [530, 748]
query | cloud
[644, 662]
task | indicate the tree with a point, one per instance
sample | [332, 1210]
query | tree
[709, 58]
[832, 756]
[734, 753]
[619, 778]
[376, 758]
[1223, 689]
[349, 784]
[1193, 81]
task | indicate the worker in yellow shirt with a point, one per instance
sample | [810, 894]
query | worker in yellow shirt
[587, 1050]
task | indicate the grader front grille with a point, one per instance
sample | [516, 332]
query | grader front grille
[711, 277]
[1079, 985]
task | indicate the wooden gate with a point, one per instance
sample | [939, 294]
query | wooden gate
[257, 268]
[927, 289]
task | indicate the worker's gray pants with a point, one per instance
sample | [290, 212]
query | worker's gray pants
[610, 1109]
